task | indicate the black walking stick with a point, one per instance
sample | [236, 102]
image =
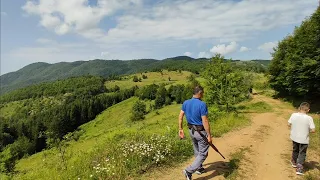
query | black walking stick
[206, 140]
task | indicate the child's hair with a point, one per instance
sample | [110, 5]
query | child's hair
[304, 106]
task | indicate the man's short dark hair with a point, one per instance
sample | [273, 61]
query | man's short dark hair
[197, 89]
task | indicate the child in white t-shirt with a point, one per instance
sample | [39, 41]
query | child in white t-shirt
[301, 124]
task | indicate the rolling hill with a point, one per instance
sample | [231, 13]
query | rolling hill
[42, 72]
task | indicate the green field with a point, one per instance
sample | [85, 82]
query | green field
[153, 78]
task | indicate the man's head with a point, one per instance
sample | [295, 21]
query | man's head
[198, 92]
[305, 107]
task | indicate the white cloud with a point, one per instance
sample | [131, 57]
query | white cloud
[105, 54]
[268, 46]
[187, 54]
[225, 20]
[224, 49]
[74, 15]
[204, 55]
[50, 21]
[244, 49]
[3, 13]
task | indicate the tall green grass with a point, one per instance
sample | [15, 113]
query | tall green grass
[315, 137]
[255, 107]
[227, 122]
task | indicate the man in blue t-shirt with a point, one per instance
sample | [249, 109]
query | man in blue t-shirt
[196, 112]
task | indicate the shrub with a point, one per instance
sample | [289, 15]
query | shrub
[138, 111]
[135, 79]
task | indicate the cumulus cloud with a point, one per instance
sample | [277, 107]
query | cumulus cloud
[224, 49]
[204, 55]
[187, 54]
[268, 46]
[74, 15]
[244, 49]
[225, 20]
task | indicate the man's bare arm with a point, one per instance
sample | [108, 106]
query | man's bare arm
[206, 125]
[181, 119]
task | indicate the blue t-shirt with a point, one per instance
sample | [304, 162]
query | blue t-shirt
[194, 108]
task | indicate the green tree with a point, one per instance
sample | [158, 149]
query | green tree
[148, 92]
[168, 101]
[225, 86]
[116, 88]
[135, 79]
[144, 76]
[295, 66]
[138, 111]
[176, 93]
[160, 97]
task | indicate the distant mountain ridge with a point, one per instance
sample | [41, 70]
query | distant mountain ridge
[43, 72]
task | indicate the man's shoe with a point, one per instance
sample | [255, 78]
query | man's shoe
[200, 171]
[187, 174]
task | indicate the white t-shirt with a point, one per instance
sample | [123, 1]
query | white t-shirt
[300, 127]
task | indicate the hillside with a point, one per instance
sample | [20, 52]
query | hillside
[42, 72]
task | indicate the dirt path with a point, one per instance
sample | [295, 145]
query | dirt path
[267, 143]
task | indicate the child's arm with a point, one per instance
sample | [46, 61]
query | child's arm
[312, 126]
[290, 122]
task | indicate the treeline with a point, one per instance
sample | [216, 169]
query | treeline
[295, 66]
[87, 85]
[193, 66]
[251, 66]
[197, 66]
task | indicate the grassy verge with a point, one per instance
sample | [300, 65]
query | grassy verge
[315, 137]
[312, 165]
[227, 122]
[254, 107]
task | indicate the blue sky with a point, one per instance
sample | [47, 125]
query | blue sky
[59, 30]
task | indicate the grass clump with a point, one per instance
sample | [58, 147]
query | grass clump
[257, 107]
[233, 165]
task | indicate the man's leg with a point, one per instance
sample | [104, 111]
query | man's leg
[202, 154]
[195, 146]
[196, 149]
[295, 153]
